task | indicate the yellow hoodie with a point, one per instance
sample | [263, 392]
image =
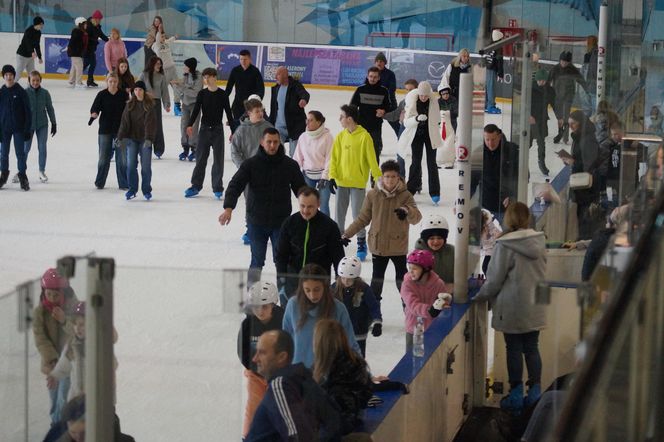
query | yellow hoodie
[353, 157]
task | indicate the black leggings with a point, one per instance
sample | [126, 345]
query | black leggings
[379, 268]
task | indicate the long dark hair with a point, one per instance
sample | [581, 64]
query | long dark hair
[127, 79]
[326, 310]
[147, 103]
[149, 69]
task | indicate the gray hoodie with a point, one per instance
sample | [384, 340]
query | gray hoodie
[246, 140]
[518, 264]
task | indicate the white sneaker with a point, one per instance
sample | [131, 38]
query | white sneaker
[15, 179]
[81, 86]
[42, 177]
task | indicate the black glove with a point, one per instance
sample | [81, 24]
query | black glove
[91, 120]
[54, 129]
[434, 312]
[377, 329]
[401, 213]
[345, 241]
[333, 187]
[322, 184]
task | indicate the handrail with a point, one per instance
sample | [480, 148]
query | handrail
[609, 328]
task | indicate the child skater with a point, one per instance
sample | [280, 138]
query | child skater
[423, 293]
[357, 296]
[489, 233]
[433, 237]
[188, 88]
[313, 301]
[263, 314]
[71, 363]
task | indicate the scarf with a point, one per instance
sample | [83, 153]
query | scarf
[49, 306]
[316, 133]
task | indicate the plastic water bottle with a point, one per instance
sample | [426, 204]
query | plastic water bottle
[418, 338]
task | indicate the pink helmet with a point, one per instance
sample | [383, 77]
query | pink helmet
[422, 258]
[53, 281]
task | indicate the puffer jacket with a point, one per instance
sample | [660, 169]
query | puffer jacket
[247, 139]
[388, 235]
[137, 122]
[410, 123]
[353, 157]
[349, 385]
[518, 264]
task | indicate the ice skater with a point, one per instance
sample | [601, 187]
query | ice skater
[188, 88]
[29, 48]
[76, 50]
[41, 107]
[157, 86]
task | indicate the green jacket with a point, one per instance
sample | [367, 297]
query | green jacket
[40, 104]
[444, 260]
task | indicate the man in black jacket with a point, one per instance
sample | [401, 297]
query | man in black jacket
[498, 179]
[247, 80]
[389, 80]
[269, 177]
[90, 56]
[543, 96]
[287, 108]
[29, 49]
[373, 100]
[308, 236]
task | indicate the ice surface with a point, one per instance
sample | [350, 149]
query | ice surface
[179, 377]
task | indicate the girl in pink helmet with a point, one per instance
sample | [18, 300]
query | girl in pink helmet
[421, 292]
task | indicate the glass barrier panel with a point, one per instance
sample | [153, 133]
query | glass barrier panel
[12, 366]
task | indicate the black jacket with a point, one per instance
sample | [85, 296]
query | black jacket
[110, 108]
[349, 385]
[78, 43]
[323, 246]
[246, 82]
[494, 61]
[295, 408]
[15, 113]
[296, 119]
[94, 34]
[455, 74]
[389, 80]
[542, 97]
[563, 78]
[30, 43]
[252, 329]
[499, 176]
[585, 151]
[370, 98]
[270, 180]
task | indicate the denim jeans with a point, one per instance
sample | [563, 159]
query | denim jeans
[58, 397]
[104, 162]
[19, 148]
[91, 61]
[402, 166]
[134, 150]
[42, 136]
[292, 143]
[259, 235]
[324, 195]
[490, 98]
[525, 344]
[355, 197]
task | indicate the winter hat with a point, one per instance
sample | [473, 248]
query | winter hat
[424, 88]
[191, 63]
[8, 69]
[97, 14]
[79, 20]
[52, 280]
[380, 57]
[140, 84]
[541, 75]
[496, 35]
[566, 56]
[37, 21]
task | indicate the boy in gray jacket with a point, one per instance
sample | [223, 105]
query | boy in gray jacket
[188, 88]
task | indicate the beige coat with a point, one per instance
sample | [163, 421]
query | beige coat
[410, 123]
[388, 235]
[50, 336]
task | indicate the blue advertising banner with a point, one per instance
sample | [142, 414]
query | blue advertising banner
[57, 62]
[227, 56]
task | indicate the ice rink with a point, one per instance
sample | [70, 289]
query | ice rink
[179, 377]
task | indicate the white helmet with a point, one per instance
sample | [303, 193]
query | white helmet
[349, 267]
[262, 293]
[434, 225]
[79, 20]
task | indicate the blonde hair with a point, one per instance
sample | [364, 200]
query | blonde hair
[116, 31]
[457, 59]
[517, 216]
[329, 341]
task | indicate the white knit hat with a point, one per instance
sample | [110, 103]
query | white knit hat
[496, 35]
[79, 20]
[424, 88]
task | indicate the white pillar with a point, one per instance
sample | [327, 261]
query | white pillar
[601, 50]
[463, 149]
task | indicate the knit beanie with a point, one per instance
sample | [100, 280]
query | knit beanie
[424, 88]
[37, 21]
[8, 69]
[191, 63]
[140, 84]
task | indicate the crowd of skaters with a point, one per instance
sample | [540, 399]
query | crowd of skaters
[306, 331]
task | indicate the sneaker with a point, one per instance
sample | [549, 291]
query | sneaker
[494, 110]
[158, 155]
[92, 84]
[361, 249]
[245, 239]
[3, 178]
[15, 179]
[192, 156]
[435, 199]
[42, 177]
[80, 86]
[513, 402]
[177, 110]
[182, 156]
[130, 195]
[23, 179]
[218, 195]
[191, 192]
[147, 196]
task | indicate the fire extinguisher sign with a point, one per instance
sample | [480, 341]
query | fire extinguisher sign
[512, 23]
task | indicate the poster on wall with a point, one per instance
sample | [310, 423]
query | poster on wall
[57, 61]
[228, 56]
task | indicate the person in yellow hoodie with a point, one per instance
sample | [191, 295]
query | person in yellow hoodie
[353, 158]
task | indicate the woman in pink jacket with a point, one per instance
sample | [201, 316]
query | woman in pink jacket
[313, 153]
[114, 49]
[422, 292]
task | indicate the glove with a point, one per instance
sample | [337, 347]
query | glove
[421, 117]
[322, 184]
[345, 241]
[401, 212]
[377, 329]
[374, 401]
[91, 120]
[54, 129]
[147, 143]
[333, 187]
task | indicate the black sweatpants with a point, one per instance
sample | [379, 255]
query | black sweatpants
[209, 136]
[421, 142]
[379, 268]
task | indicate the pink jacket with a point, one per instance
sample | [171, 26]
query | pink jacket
[419, 297]
[313, 151]
[113, 51]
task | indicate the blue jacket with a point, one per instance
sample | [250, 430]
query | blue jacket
[304, 337]
[15, 115]
[295, 408]
[363, 308]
